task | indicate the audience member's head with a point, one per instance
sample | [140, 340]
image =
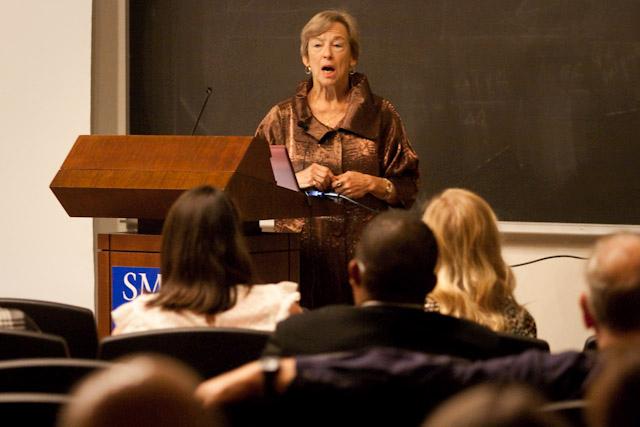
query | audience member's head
[612, 398]
[203, 253]
[612, 304]
[473, 280]
[494, 405]
[139, 391]
[395, 260]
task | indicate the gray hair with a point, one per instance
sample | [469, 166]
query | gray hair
[321, 21]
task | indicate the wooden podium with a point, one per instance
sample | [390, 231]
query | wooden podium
[140, 176]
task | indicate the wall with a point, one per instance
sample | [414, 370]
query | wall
[109, 85]
[550, 289]
[44, 106]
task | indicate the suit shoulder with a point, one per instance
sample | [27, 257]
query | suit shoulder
[322, 314]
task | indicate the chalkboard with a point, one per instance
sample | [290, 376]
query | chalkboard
[534, 104]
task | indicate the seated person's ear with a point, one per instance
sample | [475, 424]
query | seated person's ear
[587, 317]
[355, 275]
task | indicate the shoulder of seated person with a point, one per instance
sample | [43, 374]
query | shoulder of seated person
[463, 323]
[327, 310]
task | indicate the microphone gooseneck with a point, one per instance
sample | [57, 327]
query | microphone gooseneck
[204, 104]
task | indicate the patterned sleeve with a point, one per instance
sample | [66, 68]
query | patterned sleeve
[431, 305]
[526, 324]
[519, 320]
[399, 161]
[272, 128]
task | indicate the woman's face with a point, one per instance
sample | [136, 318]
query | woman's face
[329, 56]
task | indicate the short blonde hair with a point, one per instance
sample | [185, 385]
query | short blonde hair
[613, 278]
[474, 282]
[142, 389]
[495, 404]
[321, 21]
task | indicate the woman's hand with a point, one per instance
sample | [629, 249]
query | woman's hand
[315, 176]
[353, 184]
[356, 185]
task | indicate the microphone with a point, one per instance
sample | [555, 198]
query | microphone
[317, 193]
[336, 197]
[204, 104]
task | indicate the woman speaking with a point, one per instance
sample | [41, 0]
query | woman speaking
[340, 138]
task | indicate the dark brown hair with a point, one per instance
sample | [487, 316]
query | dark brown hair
[203, 254]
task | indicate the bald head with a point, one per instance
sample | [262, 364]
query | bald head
[398, 253]
[138, 391]
[613, 275]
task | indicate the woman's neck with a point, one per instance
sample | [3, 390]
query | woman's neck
[328, 105]
[328, 95]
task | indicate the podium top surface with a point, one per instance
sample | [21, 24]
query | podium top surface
[140, 176]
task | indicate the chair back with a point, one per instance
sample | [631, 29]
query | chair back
[45, 375]
[210, 351]
[514, 344]
[77, 325]
[31, 409]
[27, 344]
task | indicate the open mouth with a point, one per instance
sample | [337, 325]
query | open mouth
[328, 69]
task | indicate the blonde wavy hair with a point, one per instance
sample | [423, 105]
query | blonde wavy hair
[473, 280]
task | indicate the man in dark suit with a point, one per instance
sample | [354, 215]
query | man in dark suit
[390, 277]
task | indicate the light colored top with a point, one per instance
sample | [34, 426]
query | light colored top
[259, 307]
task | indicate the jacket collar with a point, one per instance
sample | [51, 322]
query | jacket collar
[362, 116]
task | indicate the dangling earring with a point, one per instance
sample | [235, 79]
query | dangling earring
[307, 70]
[352, 71]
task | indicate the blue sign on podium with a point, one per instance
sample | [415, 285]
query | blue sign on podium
[128, 283]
